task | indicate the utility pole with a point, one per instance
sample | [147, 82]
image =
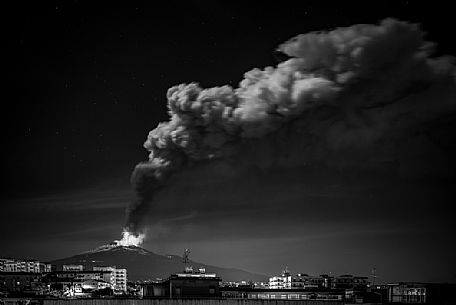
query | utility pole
[170, 289]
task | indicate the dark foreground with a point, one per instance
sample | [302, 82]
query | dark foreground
[12, 301]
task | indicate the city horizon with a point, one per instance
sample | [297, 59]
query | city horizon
[315, 137]
[371, 275]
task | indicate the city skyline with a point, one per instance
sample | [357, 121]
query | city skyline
[89, 82]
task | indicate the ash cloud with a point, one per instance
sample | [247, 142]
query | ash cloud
[365, 97]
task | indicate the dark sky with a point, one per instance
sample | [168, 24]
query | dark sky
[85, 84]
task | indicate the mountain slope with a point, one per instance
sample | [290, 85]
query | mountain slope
[142, 264]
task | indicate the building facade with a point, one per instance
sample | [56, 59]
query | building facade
[69, 276]
[348, 281]
[184, 285]
[299, 281]
[116, 276]
[73, 268]
[121, 279]
[305, 281]
[75, 283]
[333, 295]
[421, 293]
[21, 281]
[28, 266]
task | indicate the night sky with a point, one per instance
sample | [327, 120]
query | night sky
[86, 83]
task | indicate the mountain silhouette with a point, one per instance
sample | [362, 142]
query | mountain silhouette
[142, 264]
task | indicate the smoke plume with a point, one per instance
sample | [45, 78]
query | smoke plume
[366, 97]
[129, 239]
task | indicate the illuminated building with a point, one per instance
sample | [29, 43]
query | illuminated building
[27, 266]
[116, 276]
[73, 268]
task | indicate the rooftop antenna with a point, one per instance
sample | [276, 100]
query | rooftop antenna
[185, 260]
[374, 276]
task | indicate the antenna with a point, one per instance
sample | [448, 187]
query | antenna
[185, 260]
[374, 276]
[185, 257]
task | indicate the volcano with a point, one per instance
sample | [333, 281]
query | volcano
[142, 264]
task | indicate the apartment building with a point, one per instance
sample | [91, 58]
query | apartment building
[117, 277]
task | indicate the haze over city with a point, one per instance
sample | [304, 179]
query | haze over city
[338, 158]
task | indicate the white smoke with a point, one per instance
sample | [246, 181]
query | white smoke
[364, 96]
[129, 239]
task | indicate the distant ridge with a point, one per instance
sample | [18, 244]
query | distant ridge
[143, 264]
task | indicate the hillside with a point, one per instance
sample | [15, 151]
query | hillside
[143, 264]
